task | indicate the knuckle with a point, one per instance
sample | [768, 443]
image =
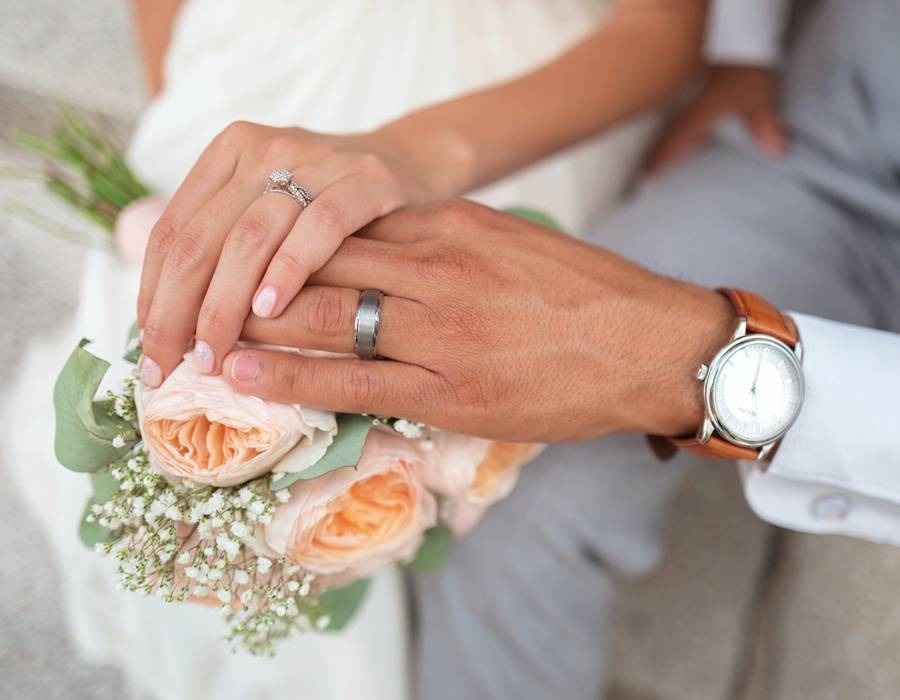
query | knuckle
[326, 217]
[447, 263]
[164, 231]
[278, 147]
[324, 312]
[234, 134]
[372, 166]
[248, 233]
[186, 254]
[287, 375]
[293, 265]
[360, 389]
[211, 318]
[156, 335]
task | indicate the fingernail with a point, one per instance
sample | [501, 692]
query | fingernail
[204, 357]
[141, 334]
[245, 369]
[264, 302]
[151, 374]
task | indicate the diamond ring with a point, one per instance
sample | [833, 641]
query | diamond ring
[281, 181]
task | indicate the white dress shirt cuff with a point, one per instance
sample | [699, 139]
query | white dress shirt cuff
[746, 32]
[838, 468]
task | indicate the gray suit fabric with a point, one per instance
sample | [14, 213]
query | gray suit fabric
[521, 609]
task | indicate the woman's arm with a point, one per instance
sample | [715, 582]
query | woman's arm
[153, 21]
[638, 58]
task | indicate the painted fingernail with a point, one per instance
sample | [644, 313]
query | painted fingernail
[245, 369]
[204, 357]
[264, 302]
[151, 374]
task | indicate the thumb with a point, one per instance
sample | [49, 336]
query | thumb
[768, 132]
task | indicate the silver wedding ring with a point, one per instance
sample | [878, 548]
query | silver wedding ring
[368, 320]
[281, 181]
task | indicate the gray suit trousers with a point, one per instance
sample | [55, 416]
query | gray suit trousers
[521, 609]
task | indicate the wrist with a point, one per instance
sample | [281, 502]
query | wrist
[700, 323]
[437, 159]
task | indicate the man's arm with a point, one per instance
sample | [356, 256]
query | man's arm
[838, 468]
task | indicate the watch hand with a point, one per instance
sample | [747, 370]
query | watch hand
[753, 388]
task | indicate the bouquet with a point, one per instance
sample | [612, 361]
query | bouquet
[276, 514]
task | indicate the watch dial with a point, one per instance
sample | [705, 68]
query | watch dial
[757, 391]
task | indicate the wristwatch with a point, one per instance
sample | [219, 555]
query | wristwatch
[752, 388]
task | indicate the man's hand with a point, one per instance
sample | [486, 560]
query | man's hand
[747, 92]
[493, 326]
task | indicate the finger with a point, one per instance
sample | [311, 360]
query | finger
[376, 387]
[681, 139]
[323, 318]
[212, 171]
[245, 254]
[768, 132]
[184, 278]
[339, 211]
[371, 264]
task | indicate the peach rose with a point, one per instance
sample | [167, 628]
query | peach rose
[196, 427]
[478, 471]
[133, 226]
[351, 523]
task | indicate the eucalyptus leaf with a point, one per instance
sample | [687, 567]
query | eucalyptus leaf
[84, 428]
[133, 345]
[535, 216]
[433, 551]
[345, 451]
[341, 604]
[105, 486]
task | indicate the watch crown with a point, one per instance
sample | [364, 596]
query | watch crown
[702, 371]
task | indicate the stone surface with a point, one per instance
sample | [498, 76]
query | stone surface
[835, 620]
[682, 633]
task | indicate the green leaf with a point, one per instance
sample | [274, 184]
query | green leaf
[84, 429]
[535, 216]
[433, 551]
[341, 604]
[345, 451]
[105, 487]
[132, 345]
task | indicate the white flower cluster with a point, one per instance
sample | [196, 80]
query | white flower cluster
[184, 541]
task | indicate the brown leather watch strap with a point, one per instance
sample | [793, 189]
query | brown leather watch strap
[715, 447]
[762, 318]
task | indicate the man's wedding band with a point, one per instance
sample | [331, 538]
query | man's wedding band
[368, 320]
[281, 181]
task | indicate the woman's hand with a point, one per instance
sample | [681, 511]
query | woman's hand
[748, 92]
[222, 246]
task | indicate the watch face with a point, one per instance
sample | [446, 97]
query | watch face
[755, 390]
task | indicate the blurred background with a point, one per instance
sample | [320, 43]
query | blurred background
[739, 609]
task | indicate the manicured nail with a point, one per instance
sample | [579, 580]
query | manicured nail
[245, 369]
[264, 302]
[151, 374]
[204, 357]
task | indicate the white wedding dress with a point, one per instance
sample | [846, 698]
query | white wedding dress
[339, 66]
